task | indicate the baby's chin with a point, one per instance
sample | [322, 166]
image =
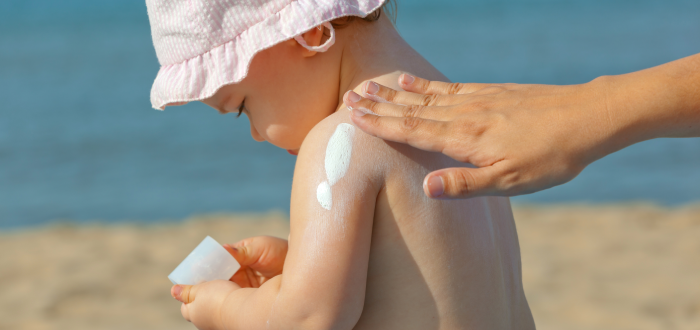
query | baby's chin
[292, 149]
[285, 141]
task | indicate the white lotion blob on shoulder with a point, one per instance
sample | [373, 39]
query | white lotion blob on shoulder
[338, 153]
[323, 194]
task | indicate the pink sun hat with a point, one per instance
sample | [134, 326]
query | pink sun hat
[203, 45]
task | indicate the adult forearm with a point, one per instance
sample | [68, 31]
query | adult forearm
[662, 101]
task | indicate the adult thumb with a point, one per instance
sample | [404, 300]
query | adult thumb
[459, 182]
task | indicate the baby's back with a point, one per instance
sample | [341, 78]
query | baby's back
[440, 264]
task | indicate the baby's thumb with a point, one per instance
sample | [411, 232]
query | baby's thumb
[459, 182]
[183, 293]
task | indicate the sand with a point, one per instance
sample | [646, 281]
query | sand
[584, 267]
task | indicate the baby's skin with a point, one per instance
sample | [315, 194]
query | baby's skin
[382, 255]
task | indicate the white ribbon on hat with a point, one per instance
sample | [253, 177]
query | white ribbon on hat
[322, 48]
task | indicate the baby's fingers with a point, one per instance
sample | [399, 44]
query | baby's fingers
[264, 254]
[185, 295]
[241, 278]
[185, 311]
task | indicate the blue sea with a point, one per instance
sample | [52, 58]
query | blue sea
[79, 141]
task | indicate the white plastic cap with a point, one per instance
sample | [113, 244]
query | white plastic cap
[207, 262]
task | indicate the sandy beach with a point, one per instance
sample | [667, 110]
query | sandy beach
[584, 267]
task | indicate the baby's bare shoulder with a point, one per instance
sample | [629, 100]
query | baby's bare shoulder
[337, 131]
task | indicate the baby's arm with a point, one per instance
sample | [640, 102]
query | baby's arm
[325, 271]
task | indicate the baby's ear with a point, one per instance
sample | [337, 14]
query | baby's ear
[313, 38]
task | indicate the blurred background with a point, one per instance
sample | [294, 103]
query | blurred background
[79, 140]
[81, 146]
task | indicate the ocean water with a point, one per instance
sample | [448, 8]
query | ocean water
[79, 141]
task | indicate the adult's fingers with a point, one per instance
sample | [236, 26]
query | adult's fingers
[355, 101]
[383, 94]
[422, 86]
[461, 182]
[420, 133]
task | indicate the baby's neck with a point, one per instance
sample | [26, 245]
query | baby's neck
[375, 51]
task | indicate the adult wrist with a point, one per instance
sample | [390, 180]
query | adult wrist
[629, 109]
[605, 130]
[662, 101]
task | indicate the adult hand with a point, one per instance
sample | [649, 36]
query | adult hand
[522, 138]
[525, 138]
[261, 258]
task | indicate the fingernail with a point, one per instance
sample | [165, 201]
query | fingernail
[436, 187]
[358, 113]
[407, 79]
[371, 87]
[177, 290]
[353, 97]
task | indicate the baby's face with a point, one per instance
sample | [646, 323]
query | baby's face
[285, 94]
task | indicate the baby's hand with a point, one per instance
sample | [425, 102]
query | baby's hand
[261, 259]
[202, 303]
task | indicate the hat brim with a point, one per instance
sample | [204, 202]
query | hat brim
[202, 76]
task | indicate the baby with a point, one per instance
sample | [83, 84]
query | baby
[367, 249]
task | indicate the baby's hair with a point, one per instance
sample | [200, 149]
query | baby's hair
[390, 7]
